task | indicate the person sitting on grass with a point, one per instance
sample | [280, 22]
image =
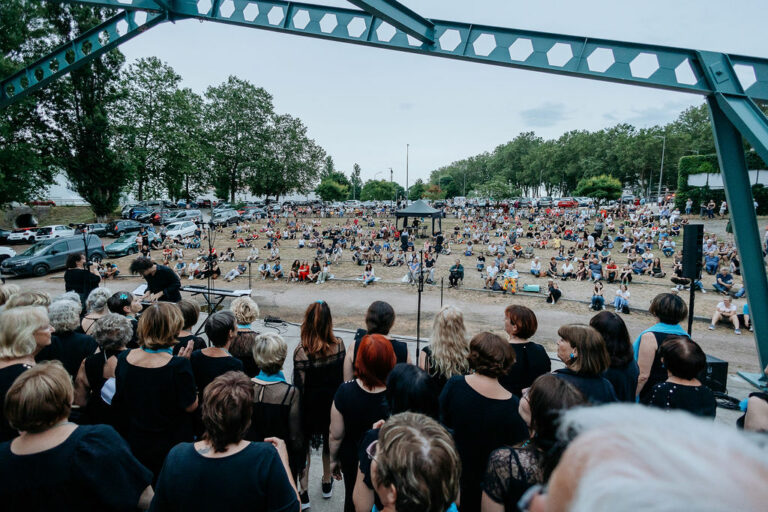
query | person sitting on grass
[456, 274]
[536, 267]
[554, 292]
[725, 312]
[598, 300]
[490, 275]
[621, 302]
[277, 270]
[567, 271]
[368, 275]
[581, 271]
[723, 281]
[235, 272]
[611, 270]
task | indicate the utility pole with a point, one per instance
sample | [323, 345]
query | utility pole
[661, 170]
[407, 147]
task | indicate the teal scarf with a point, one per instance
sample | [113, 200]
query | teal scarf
[660, 328]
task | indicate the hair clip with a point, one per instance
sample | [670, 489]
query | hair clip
[123, 296]
[320, 301]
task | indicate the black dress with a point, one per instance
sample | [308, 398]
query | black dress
[92, 470]
[252, 480]
[658, 371]
[149, 406]
[277, 413]
[206, 368]
[360, 410]
[596, 389]
[70, 348]
[480, 425]
[80, 281]
[198, 343]
[97, 411]
[436, 380]
[318, 378]
[624, 381]
[400, 348]
[7, 376]
[365, 462]
[698, 400]
[531, 361]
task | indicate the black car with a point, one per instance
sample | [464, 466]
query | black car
[94, 229]
[118, 228]
[52, 254]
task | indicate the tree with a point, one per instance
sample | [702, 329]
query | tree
[24, 170]
[186, 156]
[355, 181]
[292, 161]
[237, 122]
[434, 192]
[497, 189]
[417, 190]
[328, 169]
[79, 108]
[331, 190]
[379, 190]
[144, 124]
[601, 188]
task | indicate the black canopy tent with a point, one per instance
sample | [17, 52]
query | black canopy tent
[420, 210]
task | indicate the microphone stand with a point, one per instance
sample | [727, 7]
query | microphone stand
[420, 289]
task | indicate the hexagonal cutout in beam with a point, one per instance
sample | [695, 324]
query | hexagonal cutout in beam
[412, 41]
[250, 12]
[356, 27]
[328, 23]
[301, 19]
[276, 15]
[450, 39]
[227, 8]
[684, 73]
[122, 27]
[600, 60]
[559, 54]
[746, 75]
[385, 32]
[644, 65]
[521, 49]
[204, 6]
[484, 45]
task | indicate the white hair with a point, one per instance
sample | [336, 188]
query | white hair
[632, 457]
[97, 300]
[64, 315]
[73, 296]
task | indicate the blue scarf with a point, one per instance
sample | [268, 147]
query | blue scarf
[452, 508]
[660, 328]
[275, 377]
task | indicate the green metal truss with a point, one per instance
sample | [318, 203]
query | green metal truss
[731, 83]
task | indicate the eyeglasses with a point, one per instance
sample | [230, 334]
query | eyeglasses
[372, 449]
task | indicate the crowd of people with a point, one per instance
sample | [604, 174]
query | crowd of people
[113, 404]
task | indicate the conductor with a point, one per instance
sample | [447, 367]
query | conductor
[162, 282]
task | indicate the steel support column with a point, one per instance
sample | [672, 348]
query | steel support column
[738, 190]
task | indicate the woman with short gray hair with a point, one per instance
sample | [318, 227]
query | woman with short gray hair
[95, 381]
[96, 307]
[67, 346]
[276, 411]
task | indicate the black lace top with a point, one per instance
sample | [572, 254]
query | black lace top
[511, 471]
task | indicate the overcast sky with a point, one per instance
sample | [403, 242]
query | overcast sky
[364, 104]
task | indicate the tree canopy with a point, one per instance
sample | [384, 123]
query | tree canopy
[602, 188]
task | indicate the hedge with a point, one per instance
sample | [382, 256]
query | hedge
[697, 164]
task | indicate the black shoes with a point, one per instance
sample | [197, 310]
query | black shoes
[327, 489]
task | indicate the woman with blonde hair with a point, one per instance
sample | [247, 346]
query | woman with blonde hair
[318, 366]
[448, 349]
[154, 390]
[24, 332]
[32, 298]
[95, 307]
[246, 312]
[6, 292]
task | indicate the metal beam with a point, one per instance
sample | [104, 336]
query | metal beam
[738, 190]
[128, 5]
[747, 117]
[401, 17]
[72, 55]
[660, 67]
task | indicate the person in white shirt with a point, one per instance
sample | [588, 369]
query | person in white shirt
[324, 274]
[536, 267]
[622, 298]
[264, 270]
[490, 277]
[726, 312]
[567, 269]
[253, 255]
[192, 269]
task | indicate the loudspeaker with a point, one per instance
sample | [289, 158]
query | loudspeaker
[715, 375]
[693, 246]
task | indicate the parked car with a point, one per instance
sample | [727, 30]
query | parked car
[22, 236]
[545, 202]
[584, 201]
[145, 207]
[4, 236]
[55, 231]
[204, 203]
[180, 229]
[567, 202]
[118, 228]
[125, 212]
[94, 229]
[126, 245]
[42, 202]
[51, 254]
[5, 253]
[225, 217]
[183, 203]
[525, 202]
[180, 215]
[155, 216]
[254, 213]
[628, 199]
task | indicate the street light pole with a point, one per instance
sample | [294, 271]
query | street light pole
[661, 170]
[407, 147]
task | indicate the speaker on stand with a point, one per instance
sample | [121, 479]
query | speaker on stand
[693, 248]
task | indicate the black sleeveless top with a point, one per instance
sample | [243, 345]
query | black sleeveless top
[400, 347]
[436, 380]
[658, 371]
[97, 411]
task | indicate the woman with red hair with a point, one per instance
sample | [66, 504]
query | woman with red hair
[357, 405]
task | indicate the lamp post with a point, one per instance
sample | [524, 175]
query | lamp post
[661, 169]
[407, 147]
